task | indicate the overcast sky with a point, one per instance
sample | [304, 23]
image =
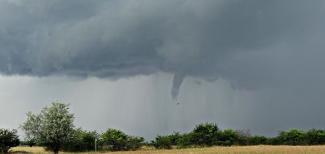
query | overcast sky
[253, 64]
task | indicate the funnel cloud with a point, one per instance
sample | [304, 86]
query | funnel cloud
[177, 82]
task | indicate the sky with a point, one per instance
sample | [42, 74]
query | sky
[256, 65]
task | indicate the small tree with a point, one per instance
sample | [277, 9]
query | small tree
[228, 137]
[134, 142]
[292, 137]
[162, 142]
[175, 137]
[32, 128]
[52, 128]
[205, 134]
[116, 140]
[166, 142]
[8, 139]
[81, 140]
[315, 137]
[185, 140]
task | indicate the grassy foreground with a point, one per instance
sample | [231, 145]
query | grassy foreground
[212, 150]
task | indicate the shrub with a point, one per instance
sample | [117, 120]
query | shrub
[174, 138]
[315, 137]
[243, 137]
[227, 137]
[292, 137]
[8, 139]
[81, 140]
[274, 141]
[166, 142]
[205, 134]
[134, 143]
[185, 140]
[257, 140]
[162, 142]
[116, 140]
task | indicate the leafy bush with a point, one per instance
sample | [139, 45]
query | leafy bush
[116, 140]
[8, 139]
[174, 138]
[81, 140]
[185, 140]
[205, 134]
[292, 137]
[134, 143]
[162, 142]
[274, 141]
[227, 137]
[166, 142]
[243, 137]
[257, 140]
[315, 137]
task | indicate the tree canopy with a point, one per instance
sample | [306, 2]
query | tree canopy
[52, 128]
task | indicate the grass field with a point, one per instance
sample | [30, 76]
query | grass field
[211, 150]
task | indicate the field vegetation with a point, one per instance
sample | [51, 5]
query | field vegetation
[53, 130]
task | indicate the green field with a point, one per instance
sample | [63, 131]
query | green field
[211, 150]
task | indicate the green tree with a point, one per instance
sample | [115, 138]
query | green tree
[134, 143]
[8, 139]
[315, 137]
[32, 128]
[185, 140]
[162, 142]
[228, 137]
[52, 128]
[174, 138]
[292, 137]
[205, 134]
[274, 141]
[81, 140]
[117, 140]
[243, 136]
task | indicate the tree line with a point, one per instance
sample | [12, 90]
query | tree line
[209, 134]
[53, 129]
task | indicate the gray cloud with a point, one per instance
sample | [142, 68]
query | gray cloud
[114, 39]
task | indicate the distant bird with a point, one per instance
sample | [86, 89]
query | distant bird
[178, 103]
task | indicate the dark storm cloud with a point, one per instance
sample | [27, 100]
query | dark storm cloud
[250, 43]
